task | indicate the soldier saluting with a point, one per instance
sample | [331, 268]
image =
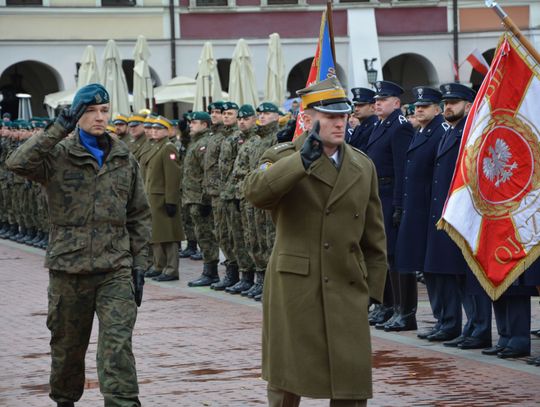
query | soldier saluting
[100, 227]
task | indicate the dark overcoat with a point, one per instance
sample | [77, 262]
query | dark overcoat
[387, 147]
[412, 233]
[162, 186]
[328, 259]
[442, 254]
[361, 133]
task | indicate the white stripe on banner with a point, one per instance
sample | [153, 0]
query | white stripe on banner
[529, 107]
[481, 120]
[463, 216]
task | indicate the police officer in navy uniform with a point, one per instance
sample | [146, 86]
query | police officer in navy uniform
[364, 111]
[412, 234]
[387, 147]
[445, 271]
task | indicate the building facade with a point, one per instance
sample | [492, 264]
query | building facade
[409, 41]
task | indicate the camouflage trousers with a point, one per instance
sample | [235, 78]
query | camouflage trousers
[73, 301]
[7, 191]
[187, 224]
[221, 228]
[18, 204]
[204, 230]
[251, 238]
[4, 208]
[261, 226]
[233, 216]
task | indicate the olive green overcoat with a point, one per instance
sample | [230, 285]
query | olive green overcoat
[162, 185]
[329, 258]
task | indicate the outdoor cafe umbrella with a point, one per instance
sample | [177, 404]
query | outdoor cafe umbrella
[242, 87]
[143, 90]
[208, 83]
[114, 80]
[275, 72]
[88, 71]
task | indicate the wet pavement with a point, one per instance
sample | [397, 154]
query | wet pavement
[197, 347]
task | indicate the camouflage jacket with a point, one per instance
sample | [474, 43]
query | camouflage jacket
[100, 218]
[192, 181]
[212, 178]
[244, 161]
[229, 150]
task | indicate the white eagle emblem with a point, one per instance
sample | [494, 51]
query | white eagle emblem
[496, 167]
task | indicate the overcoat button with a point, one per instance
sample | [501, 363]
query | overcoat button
[326, 245]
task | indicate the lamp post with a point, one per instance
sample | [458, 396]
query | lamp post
[370, 71]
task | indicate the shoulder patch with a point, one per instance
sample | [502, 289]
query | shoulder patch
[445, 126]
[402, 119]
[172, 156]
[265, 166]
[202, 148]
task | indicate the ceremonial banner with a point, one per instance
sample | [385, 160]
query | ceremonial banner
[493, 207]
[322, 67]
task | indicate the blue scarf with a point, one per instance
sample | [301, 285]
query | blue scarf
[90, 143]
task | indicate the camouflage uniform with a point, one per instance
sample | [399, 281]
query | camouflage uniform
[4, 173]
[198, 202]
[100, 226]
[187, 222]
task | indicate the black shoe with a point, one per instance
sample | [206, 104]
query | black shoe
[380, 314]
[536, 332]
[242, 285]
[454, 343]
[65, 404]
[152, 272]
[208, 277]
[165, 277]
[441, 336]
[402, 323]
[381, 325]
[507, 353]
[189, 251]
[255, 290]
[258, 297]
[426, 333]
[534, 361]
[196, 256]
[230, 279]
[493, 350]
[474, 343]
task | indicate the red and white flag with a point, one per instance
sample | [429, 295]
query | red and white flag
[493, 207]
[478, 62]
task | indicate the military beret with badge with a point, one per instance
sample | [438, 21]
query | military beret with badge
[267, 107]
[215, 106]
[202, 116]
[246, 111]
[229, 106]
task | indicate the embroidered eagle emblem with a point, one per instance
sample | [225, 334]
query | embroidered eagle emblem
[496, 167]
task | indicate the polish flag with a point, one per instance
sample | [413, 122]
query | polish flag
[492, 211]
[478, 62]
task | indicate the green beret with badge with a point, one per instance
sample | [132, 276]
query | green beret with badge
[202, 116]
[215, 106]
[92, 94]
[267, 107]
[246, 111]
[229, 106]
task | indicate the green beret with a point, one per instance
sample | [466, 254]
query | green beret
[202, 116]
[246, 111]
[267, 107]
[215, 105]
[93, 94]
[39, 125]
[229, 106]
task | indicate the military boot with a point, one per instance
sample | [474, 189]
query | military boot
[196, 256]
[13, 230]
[23, 235]
[244, 284]
[37, 238]
[29, 236]
[408, 304]
[20, 233]
[3, 228]
[190, 250]
[259, 278]
[230, 279]
[394, 284]
[208, 276]
[44, 242]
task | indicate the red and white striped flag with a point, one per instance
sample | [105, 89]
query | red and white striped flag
[493, 207]
[478, 62]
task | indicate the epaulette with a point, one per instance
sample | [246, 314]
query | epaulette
[358, 151]
[284, 146]
[445, 126]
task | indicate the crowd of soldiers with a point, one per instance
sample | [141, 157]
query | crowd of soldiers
[194, 170]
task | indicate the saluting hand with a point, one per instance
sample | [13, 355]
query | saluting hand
[69, 117]
[312, 148]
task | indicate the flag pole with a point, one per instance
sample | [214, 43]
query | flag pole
[331, 28]
[510, 25]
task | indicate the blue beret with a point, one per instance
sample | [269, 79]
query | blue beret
[384, 89]
[426, 96]
[457, 91]
[93, 94]
[363, 96]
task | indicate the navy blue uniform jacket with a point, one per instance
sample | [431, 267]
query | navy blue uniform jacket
[387, 148]
[412, 234]
[361, 133]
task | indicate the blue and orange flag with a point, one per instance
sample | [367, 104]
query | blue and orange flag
[323, 65]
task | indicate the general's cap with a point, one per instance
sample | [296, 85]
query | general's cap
[149, 121]
[362, 96]
[457, 91]
[202, 116]
[327, 96]
[267, 107]
[426, 96]
[120, 119]
[384, 89]
[135, 120]
[246, 111]
[92, 94]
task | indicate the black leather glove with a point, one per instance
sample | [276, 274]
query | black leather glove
[287, 133]
[312, 148]
[138, 282]
[170, 209]
[206, 210]
[396, 216]
[237, 204]
[69, 117]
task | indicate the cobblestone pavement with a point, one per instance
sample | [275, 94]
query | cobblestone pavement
[196, 347]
